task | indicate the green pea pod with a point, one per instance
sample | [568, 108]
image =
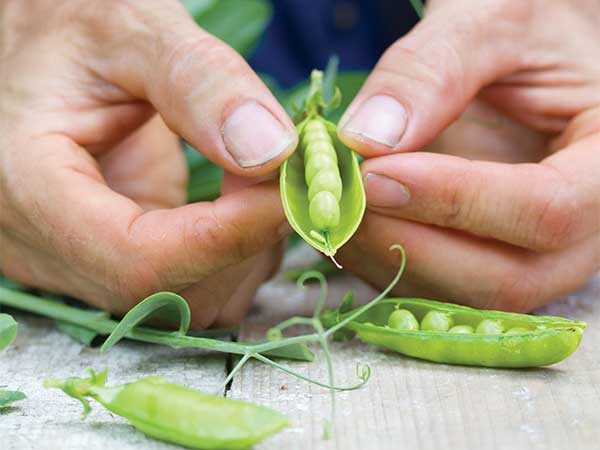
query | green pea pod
[8, 330]
[532, 341]
[319, 214]
[177, 414]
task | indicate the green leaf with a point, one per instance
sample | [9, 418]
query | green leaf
[197, 8]
[240, 23]
[164, 305]
[8, 397]
[8, 330]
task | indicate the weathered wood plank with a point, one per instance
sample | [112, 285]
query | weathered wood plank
[420, 405]
[49, 420]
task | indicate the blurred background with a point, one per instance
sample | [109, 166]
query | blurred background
[302, 35]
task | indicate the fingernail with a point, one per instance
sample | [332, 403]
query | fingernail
[385, 192]
[381, 119]
[254, 136]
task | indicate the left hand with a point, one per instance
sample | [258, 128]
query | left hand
[503, 210]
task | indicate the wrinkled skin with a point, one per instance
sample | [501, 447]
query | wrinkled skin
[503, 209]
[92, 181]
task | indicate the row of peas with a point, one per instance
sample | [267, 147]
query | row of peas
[403, 319]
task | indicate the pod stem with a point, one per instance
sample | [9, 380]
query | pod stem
[80, 388]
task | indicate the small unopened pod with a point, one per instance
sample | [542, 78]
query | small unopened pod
[174, 413]
[455, 334]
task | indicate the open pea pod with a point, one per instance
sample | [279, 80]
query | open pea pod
[326, 229]
[454, 334]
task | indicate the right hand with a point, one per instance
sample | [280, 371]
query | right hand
[92, 182]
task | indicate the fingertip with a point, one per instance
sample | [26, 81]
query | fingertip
[374, 126]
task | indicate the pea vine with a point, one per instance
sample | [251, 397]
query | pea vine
[172, 306]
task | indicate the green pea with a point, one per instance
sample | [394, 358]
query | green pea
[319, 147]
[489, 326]
[517, 330]
[177, 414]
[436, 321]
[403, 319]
[326, 180]
[324, 211]
[318, 163]
[461, 329]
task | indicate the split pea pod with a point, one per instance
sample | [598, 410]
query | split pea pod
[454, 334]
[177, 414]
[321, 184]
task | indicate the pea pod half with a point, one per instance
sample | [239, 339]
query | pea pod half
[177, 414]
[321, 185]
[476, 337]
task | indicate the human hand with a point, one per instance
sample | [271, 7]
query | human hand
[92, 182]
[503, 210]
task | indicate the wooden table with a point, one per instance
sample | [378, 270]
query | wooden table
[407, 404]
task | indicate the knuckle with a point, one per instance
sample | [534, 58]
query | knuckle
[216, 237]
[518, 290]
[557, 222]
[181, 57]
[459, 200]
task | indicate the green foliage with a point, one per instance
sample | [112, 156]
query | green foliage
[8, 330]
[240, 23]
[9, 397]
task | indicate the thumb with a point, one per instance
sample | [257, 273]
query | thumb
[425, 80]
[202, 88]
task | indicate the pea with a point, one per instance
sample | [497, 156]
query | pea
[489, 326]
[319, 162]
[436, 321]
[517, 330]
[461, 329]
[403, 319]
[314, 138]
[319, 147]
[324, 211]
[326, 180]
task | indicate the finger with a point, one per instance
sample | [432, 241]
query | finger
[200, 239]
[529, 205]
[452, 266]
[425, 80]
[202, 88]
[136, 167]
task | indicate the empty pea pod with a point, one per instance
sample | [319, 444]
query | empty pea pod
[455, 334]
[321, 185]
[177, 414]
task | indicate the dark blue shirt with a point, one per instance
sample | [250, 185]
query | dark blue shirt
[304, 33]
